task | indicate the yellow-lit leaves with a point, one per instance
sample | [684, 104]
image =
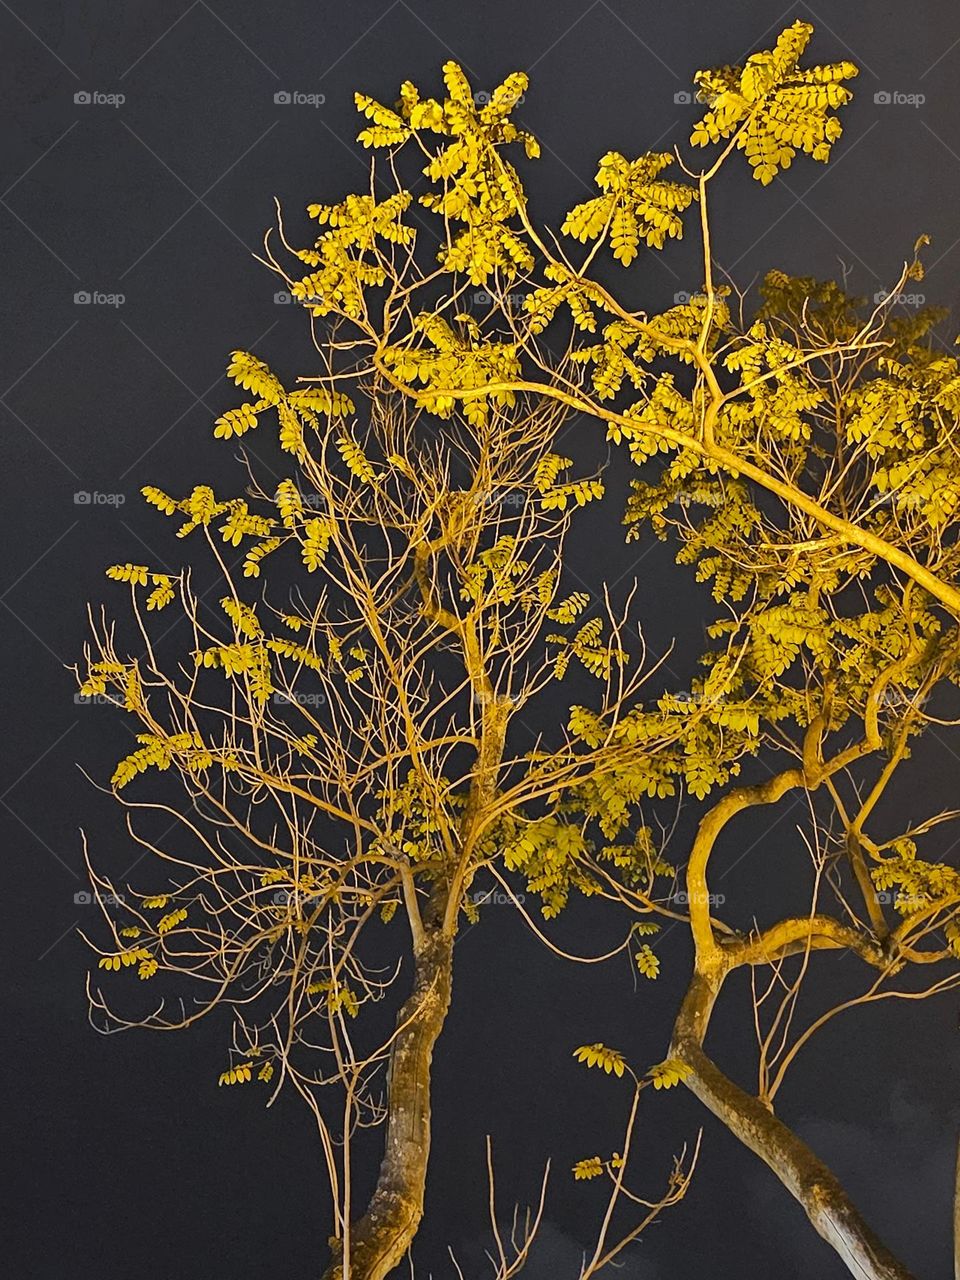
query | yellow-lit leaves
[388, 129]
[555, 497]
[579, 493]
[580, 295]
[593, 1167]
[569, 609]
[342, 998]
[332, 404]
[773, 106]
[157, 498]
[345, 255]
[316, 540]
[243, 616]
[548, 469]
[251, 562]
[296, 410]
[138, 575]
[289, 503]
[636, 205]
[548, 852]
[241, 1074]
[903, 419]
[240, 523]
[253, 375]
[494, 575]
[171, 920]
[459, 360]
[237, 422]
[355, 459]
[669, 1073]
[296, 653]
[648, 962]
[96, 682]
[339, 996]
[133, 573]
[586, 646]
[200, 508]
[599, 1055]
[477, 186]
[124, 959]
[157, 752]
[162, 592]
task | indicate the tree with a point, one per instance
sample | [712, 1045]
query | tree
[362, 747]
[804, 462]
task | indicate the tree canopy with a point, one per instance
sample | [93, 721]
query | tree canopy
[374, 718]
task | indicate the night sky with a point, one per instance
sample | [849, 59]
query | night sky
[122, 1158]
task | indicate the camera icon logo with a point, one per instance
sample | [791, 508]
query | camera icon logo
[681, 298]
[481, 98]
[83, 897]
[82, 298]
[282, 298]
[82, 98]
[82, 498]
[882, 98]
[683, 97]
[282, 98]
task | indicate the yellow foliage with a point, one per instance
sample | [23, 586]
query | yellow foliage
[665, 1075]
[599, 1055]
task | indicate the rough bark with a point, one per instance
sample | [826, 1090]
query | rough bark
[380, 1238]
[805, 1176]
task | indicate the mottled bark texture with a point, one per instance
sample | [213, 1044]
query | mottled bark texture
[805, 1176]
[380, 1239]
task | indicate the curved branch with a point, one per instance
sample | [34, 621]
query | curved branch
[802, 1172]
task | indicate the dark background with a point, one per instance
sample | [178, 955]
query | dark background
[122, 1157]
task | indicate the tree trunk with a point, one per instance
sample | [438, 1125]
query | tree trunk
[379, 1240]
[805, 1176]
